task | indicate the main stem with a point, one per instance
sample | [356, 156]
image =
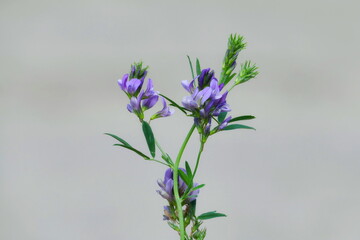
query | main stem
[176, 183]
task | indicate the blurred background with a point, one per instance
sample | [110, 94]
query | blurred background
[296, 177]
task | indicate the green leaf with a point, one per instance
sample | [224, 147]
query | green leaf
[174, 104]
[197, 187]
[188, 169]
[134, 150]
[192, 208]
[222, 116]
[210, 215]
[237, 126]
[191, 67]
[240, 118]
[185, 177]
[119, 139]
[149, 136]
[198, 68]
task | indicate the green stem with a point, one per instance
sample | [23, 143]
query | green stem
[158, 145]
[198, 158]
[176, 183]
[154, 160]
[231, 87]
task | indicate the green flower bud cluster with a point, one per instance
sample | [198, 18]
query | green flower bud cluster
[247, 70]
[235, 45]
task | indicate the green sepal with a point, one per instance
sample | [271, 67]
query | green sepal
[241, 118]
[237, 126]
[198, 68]
[149, 136]
[134, 150]
[174, 104]
[210, 215]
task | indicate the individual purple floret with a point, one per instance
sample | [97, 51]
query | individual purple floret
[150, 101]
[130, 87]
[164, 112]
[167, 187]
[135, 104]
[224, 123]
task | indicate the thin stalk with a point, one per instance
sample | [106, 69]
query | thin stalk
[176, 183]
[198, 158]
[160, 148]
[232, 87]
[154, 160]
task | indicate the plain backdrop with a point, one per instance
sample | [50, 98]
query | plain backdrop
[295, 178]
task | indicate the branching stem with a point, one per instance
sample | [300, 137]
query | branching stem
[176, 183]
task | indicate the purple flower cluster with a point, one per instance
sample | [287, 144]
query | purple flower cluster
[167, 187]
[141, 100]
[205, 100]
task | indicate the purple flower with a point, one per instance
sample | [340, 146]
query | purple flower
[207, 128]
[205, 101]
[134, 105]
[150, 89]
[189, 103]
[122, 82]
[167, 187]
[150, 102]
[224, 123]
[132, 87]
[189, 86]
[164, 112]
[205, 77]
[141, 100]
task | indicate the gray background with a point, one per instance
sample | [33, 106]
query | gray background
[296, 177]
